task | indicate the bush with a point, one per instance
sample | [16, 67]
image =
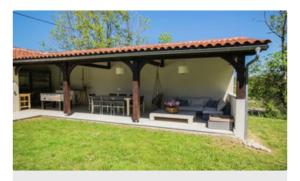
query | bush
[273, 111]
[268, 82]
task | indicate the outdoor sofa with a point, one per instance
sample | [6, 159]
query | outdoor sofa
[205, 105]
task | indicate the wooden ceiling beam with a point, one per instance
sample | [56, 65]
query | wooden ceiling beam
[108, 66]
[158, 64]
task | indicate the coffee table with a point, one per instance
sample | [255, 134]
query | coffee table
[188, 116]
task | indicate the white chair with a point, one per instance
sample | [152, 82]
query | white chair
[106, 105]
[90, 101]
[96, 103]
[118, 106]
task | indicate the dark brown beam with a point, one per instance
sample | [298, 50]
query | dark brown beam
[67, 95]
[136, 101]
[241, 78]
[108, 66]
[66, 69]
[231, 59]
[158, 64]
[135, 67]
[162, 63]
[237, 61]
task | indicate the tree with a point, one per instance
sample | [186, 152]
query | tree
[277, 24]
[97, 29]
[269, 78]
[165, 38]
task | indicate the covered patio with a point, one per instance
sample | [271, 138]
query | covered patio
[211, 65]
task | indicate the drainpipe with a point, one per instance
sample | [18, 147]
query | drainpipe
[257, 50]
[256, 58]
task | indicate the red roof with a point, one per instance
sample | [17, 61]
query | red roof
[20, 53]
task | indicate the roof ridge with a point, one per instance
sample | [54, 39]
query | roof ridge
[152, 44]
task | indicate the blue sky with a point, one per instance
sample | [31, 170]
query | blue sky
[183, 26]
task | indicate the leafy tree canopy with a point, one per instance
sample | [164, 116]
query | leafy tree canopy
[165, 37]
[97, 29]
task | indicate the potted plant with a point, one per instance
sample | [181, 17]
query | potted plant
[171, 106]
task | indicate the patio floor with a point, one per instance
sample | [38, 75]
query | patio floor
[82, 114]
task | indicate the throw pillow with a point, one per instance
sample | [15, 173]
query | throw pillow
[183, 102]
[227, 109]
[212, 103]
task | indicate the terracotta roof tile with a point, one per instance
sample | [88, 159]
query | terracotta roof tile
[20, 53]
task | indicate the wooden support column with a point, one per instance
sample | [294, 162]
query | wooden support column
[66, 69]
[136, 67]
[136, 113]
[240, 78]
[66, 88]
[241, 110]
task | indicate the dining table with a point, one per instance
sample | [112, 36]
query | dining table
[126, 99]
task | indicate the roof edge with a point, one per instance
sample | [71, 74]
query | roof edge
[171, 54]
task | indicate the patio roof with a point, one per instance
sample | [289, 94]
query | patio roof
[199, 48]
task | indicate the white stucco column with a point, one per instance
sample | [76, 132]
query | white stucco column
[16, 100]
[241, 119]
[241, 110]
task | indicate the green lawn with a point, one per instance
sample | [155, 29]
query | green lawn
[56, 144]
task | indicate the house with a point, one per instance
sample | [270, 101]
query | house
[193, 69]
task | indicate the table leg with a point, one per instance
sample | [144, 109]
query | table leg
[92, 106]
[128, 107]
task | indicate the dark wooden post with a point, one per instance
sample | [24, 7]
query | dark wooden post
[136, 67]
[240, 78]
[66, 69]
[241, 110]
[136, 113]
[66, 88]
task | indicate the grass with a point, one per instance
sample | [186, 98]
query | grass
[56, 144]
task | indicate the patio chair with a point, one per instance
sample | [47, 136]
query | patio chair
[112, 95]
[90, 97]
[96, 103]
[106, 104]
[122, 95]
[118, 107]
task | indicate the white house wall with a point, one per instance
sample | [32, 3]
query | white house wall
[16, 101]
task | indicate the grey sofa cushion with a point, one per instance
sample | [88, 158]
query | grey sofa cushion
[191, 108]
[198, 101]
[212, 111]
